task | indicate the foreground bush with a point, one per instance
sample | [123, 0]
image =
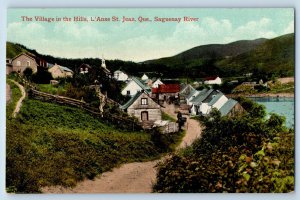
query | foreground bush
[242, 154]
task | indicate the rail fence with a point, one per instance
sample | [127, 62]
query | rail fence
[119, 121]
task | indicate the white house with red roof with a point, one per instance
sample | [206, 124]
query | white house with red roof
[213, 80]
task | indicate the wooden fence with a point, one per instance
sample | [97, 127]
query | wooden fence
[123, 122]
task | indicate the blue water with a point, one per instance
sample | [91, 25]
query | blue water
[283, 106]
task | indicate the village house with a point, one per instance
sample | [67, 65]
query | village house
[23, 61]
[133, 86]
[213, 80]
[144, 77]
[143, 108]
[185, 92]
[231, 108]
[156, 83]
[120, 75]
[166, 92]
[9, 67]
[85, 68]
[58, 71]
[217, 102]
[199, 104]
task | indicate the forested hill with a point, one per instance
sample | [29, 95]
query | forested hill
[273, 56]
[13, 49]
[211, 51]
[265, 57]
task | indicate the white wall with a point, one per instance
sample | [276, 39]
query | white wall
[132, 87]
[204, 107]
[217, 81]
[120, 76]
[156, 83]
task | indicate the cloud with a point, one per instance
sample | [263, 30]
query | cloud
[289, 28]
[255, 29]
[137, 42]
[19, 31]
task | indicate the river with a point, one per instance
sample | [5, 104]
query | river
[280, 105]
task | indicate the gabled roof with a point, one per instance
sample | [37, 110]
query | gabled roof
[192, 93]
[188, 87]
[131, 101]
[65, 69]
[85, 65]
[156, 80]
[227, 107]
[119, 71]
[139, 83]
[215, 99]
[25, 54]
[145, 77]
[166, 88]
[61, 68]
[211, 78]
[202, 96]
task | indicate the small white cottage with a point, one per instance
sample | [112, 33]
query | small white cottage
[120, 76]
[144, 77]
[213, 80]
[156, 83]
[143, 108]
[134, 86]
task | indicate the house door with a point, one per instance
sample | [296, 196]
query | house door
[144, 116]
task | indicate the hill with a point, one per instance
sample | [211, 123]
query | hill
[273, 56]
[260, 56]
[266, 57]
[211, 51]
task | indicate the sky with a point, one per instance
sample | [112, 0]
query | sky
[140, 41]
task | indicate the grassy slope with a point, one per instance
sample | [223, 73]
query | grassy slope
[49, 144]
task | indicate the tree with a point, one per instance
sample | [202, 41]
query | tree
[28, 73]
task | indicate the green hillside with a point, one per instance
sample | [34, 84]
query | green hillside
[13, 49]
[273, 56]
[65, 145]
[211, 51]
[260, 56]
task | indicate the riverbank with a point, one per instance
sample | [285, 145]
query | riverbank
[289, 95]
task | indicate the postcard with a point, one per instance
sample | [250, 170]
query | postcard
[150, 100]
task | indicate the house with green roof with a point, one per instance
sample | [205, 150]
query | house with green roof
[58, 71]
[231, 108]
[143, 108]
[135, 85]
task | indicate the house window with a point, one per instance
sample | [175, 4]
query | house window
[28, 63]
[144, 101]
[128, 92]
[18, 63]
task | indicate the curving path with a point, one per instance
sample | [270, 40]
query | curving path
[8, 93]
[135, 177]
[19, 103]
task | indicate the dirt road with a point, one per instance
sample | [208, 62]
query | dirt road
[8, 93]
[135, 177]
[19, 103]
